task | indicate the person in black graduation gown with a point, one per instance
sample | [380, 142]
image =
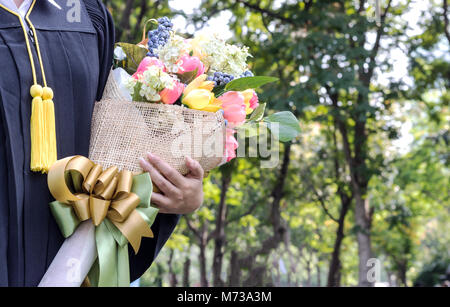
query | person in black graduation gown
[77, 56]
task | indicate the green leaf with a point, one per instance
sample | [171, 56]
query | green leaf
[219, 90]
[187, 77]
[135, 54]
[246, 83]
[258, 113]
[288, 125]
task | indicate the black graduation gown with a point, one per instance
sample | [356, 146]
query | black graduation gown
[77, 57]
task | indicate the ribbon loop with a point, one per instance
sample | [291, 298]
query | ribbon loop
[81, 208]
[89, 183]
[124, 185]
[121, 209]
[105, 179]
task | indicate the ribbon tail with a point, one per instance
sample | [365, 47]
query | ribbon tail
[123, 269]
[65, 217]
[134, 228]
[107, 256]
[94, 273]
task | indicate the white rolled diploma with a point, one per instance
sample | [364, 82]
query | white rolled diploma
[74, 259]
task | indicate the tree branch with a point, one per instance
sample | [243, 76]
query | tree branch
[376, 47]
[192, 228]
[323, 205]
[249, 211]
[446, 20]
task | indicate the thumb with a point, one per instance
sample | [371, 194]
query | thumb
[196, 170]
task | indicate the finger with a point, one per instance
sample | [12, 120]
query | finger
[162, 183]
[169, 172]
[196, 170]
[161, 202]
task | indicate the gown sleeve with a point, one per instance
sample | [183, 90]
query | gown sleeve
[164, 224]
[4, 211]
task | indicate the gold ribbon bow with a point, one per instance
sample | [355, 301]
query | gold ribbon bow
[96, 194]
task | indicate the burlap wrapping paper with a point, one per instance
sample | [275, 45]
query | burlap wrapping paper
[123, 131]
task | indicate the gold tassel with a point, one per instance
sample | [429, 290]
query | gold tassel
[42, 129]
[49, 135]
[36, 131]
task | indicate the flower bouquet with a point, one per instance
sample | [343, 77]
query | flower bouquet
[174, 97]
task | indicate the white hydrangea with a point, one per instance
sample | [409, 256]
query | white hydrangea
[171, 52]
[152, 81]
[223, 57]
[130, 83]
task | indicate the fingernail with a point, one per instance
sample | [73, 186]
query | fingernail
[150, 155]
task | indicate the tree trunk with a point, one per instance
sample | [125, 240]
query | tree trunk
[140, 17]
[172, 275]
[235, 270]
[308, 273]
[334, 272]
[159, 274]
[402, 269]
[256, 277]
[359, 181]
[202, 245]
[220, 237]
[362, 218]
[186, 272]
[272, 242]
[124, 24]
[319, 272]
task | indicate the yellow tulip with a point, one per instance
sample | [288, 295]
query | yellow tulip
[198, 99]
[213, 106]
[207, 85]
[197, 83]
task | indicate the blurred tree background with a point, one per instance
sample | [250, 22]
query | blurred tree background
[364, 192]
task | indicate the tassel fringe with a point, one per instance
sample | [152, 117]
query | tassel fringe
[43, 135]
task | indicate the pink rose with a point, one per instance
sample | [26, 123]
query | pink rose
[190, 63]
[231, 145]
[145, 64]
[169, 96]
[233, 105]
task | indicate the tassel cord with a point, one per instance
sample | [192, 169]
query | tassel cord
[42, 122]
